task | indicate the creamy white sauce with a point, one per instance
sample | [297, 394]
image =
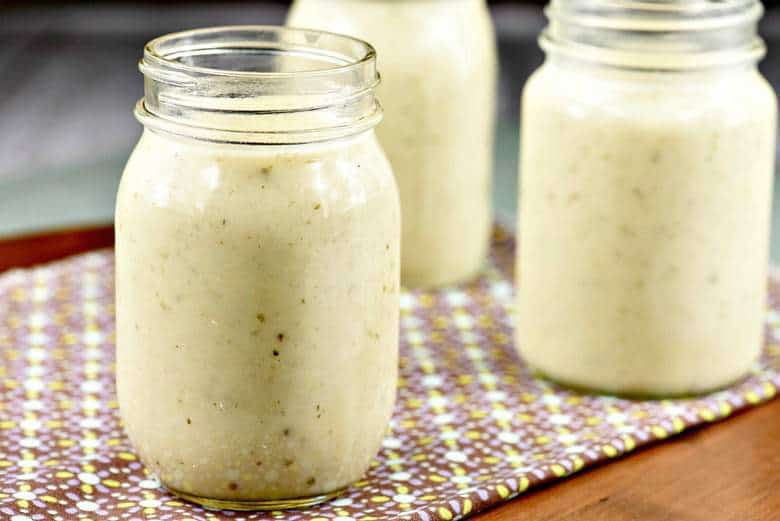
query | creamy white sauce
[644, 228]
[257, 313]
[438, 64]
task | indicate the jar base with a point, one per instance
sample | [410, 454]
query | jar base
[633, 394]
[246, 505]
[425, 283]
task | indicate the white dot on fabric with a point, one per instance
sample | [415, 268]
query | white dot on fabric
[87, 506]
[89, 478]
[456, 456]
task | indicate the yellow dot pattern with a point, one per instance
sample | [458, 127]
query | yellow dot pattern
[471, 427]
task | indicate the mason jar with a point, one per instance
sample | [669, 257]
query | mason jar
[438, 65]
[648, 145]
[257, 267]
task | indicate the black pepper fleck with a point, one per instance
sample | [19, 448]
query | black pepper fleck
[280, 337]
[189, 421]
[627, 231]
[261, 317]
[233, 485]
[276, 353]
[286, 432]
[288, 463]
[311, 481]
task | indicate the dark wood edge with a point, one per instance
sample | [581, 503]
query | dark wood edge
[28, 250]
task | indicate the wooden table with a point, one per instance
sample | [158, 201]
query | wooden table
[728, 471]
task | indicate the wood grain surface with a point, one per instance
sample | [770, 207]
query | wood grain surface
[28, 250]
[729, 471]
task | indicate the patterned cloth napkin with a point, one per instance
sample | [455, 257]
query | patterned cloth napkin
[471, 428]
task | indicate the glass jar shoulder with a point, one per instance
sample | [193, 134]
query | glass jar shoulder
[196, 177]
[724, 97]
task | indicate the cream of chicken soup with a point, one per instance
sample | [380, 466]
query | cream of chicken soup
[257, 269]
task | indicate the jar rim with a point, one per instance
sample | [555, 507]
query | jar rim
[656, 15]
[259, 84]
[156, 54]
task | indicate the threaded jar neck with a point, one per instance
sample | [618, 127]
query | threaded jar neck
[660, 35]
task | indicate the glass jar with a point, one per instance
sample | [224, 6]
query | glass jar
[257, 266]
[438, 65]
[648, 143]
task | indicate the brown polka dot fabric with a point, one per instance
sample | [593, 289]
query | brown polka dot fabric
[471, 428]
